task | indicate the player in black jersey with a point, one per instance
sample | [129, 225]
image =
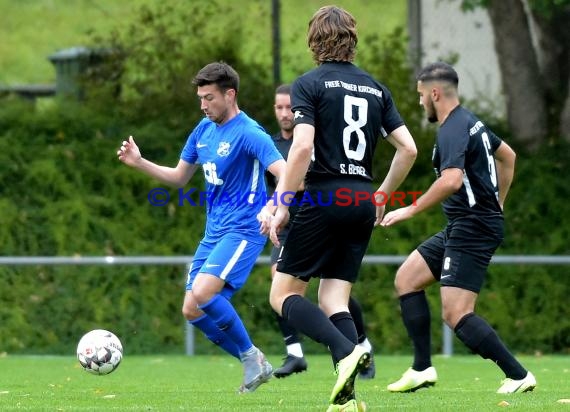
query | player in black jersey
[295, 361]
[474, 173]
[340, 112]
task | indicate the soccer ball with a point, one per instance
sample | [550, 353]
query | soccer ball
[99, 352]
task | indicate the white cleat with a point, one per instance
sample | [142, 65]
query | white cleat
[527, 384]
[413, 380]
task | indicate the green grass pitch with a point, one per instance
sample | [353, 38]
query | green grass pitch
[209, 383]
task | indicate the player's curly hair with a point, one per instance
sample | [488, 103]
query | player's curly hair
[332, 35]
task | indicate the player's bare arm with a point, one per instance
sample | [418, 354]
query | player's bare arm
[505, 158]
[178, 176]
[402, 162]
[448, 183]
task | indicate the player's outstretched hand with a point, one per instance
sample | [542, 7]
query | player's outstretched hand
[395, 216]
[129, 152]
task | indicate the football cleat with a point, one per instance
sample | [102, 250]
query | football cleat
[347, 369]
[527, 384]
[256, 370]
[292, 364]
[350, 406]
[413, 380]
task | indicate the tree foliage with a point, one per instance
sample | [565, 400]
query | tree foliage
[157, 55]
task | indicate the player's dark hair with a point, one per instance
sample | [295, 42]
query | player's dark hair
[283, 89]
[332, 35]
[218, 73]
[438, 71]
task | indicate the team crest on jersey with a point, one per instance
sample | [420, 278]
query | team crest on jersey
[223, 149]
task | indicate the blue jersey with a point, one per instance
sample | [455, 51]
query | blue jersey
[234, 157]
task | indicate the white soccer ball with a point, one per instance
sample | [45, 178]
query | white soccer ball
[99, 352]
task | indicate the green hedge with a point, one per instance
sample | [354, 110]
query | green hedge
[64, 193]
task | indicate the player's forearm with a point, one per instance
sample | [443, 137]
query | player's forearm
[401, 165]
[435, 195]
[164, 174]
[297, 166]
[450, 181]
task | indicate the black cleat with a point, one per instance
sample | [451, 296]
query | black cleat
[292, 365]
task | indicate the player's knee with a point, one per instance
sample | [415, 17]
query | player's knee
[276, 302]
[408, 280]
[186, 313]
[190, 313]
[451, 317]
[330, 308]
[403, 282]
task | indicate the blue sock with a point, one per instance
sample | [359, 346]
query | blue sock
[221, 311]
[215, 335]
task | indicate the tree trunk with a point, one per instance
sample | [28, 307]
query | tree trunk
[520, 74]
[554, 43]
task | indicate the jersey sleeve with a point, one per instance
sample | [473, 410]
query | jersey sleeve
[189, 153]
[495, 140]
[392, 118]
[302, 103]
[260, 145]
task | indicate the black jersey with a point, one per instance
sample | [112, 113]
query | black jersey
[350, 111]
[283, 145]
[464, 142]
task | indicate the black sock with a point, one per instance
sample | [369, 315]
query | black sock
[417, 319]
[310, 320]
[356, 313]
[289, 333]
[343, 322]
[482, 339]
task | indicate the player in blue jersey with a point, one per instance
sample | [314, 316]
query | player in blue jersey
[341, 113]
[234, 152]
[474, 173]
[295, 360]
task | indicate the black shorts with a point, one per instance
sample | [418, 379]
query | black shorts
[329, 237]
[460, 254]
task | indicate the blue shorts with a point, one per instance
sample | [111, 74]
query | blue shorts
[231, 259]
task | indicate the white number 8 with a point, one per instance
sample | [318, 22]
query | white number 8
[354, 126]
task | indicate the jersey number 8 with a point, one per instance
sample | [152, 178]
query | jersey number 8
[354, 126]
